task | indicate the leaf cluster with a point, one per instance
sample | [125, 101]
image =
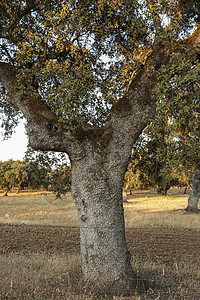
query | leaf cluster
[168, 151]
[81, 56]
[76, 55]
[32, 175]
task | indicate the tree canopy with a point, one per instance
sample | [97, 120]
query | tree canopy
[34, 175]
[81, 56]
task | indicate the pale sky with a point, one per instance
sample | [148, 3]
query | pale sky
[15, 146]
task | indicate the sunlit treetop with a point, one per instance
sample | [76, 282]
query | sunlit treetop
[81, 56]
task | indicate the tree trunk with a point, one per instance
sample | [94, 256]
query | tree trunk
[9, 187]
[5, 193]
[185, 191]
[194, 197]
[106, 260]
[29, 187]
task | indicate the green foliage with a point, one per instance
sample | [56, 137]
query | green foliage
[160, 162]
[169, 151]
[48, 160]
[139, 170]
[60, 180]
[31, 175]
[10, 115]
[5, 182]
[20, 174]
[178, 108]
[54, 169]
[79, 56]
[151, 166]
[190, 11]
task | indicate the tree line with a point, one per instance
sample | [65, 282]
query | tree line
[31, 175]
[153, 165]
[159, 165]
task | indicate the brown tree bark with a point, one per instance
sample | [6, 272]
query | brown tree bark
[9, 187]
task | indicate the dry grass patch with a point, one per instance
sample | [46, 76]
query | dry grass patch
[41, 210]
[161, 235]
[31, 276]
[175, 219]
[26, 193]
[159, 211]
[144, 208]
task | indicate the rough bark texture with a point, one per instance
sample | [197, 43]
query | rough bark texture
[194, 197]
[99, 158]
[105, 257]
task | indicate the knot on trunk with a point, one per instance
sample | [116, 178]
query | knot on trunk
[52, 127]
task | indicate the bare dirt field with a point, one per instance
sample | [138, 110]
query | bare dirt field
[42, 261]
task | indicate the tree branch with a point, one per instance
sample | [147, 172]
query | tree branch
[131, 114]
[44, 130]
[191, 46]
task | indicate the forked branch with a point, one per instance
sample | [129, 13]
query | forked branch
[44, 130]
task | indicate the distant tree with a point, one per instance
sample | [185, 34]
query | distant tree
[21, 174]
[150, 166]
[5, 181]
[16, 175]
[54, 169]
[138, 172]
[60, 180]
[195, 195]
[33, 178]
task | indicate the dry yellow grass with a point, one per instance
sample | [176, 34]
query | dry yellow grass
[149, 209]
[143, 209]
[25, 276]
[43, 210]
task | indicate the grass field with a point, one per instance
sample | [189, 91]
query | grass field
[40, 255]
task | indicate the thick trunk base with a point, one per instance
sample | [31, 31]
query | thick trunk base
[106, 260]
[127, 286]
[192, 209]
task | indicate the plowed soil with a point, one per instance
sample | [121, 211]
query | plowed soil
[164, 246]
